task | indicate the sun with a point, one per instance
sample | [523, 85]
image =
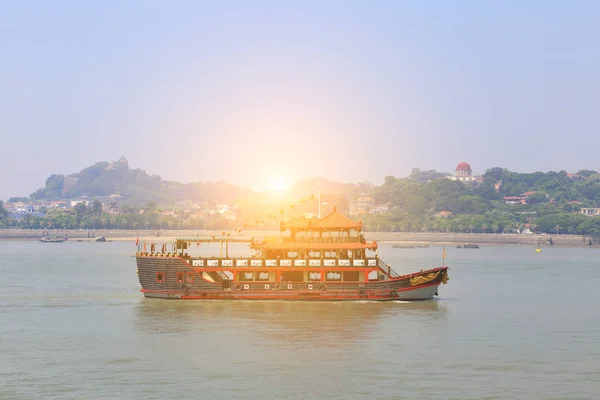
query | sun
[279, 184]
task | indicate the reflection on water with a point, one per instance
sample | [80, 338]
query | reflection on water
[301, 319]
[510, 324]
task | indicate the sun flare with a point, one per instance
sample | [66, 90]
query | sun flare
[279, 184]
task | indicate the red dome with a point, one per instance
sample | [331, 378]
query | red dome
[463, 166]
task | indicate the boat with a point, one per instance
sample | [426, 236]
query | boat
[470, 246]
[314, 259]
[409, 246]
[47, 239]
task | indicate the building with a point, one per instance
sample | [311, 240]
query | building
[591, 212]
[463, 173]
[363, 205]
[515, 199]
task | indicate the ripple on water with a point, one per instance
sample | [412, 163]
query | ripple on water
[508, 325]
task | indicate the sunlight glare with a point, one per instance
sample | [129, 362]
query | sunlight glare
[279, 184]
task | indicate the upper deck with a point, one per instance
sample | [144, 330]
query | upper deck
[334, 236]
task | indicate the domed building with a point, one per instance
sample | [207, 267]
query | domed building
[463, 169]
[463, 173]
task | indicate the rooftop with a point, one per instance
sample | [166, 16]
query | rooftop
[335, 220]
[314, 246]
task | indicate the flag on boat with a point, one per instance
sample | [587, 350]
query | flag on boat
[444, 252]
[137, 241]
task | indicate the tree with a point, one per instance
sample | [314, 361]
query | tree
[425, 176]
[471, 205]
[3, 215]
[496, 173]
[18, 200]
[81, 211]
[389, 180]
[96, 208]
[586, 172]
[537, 198]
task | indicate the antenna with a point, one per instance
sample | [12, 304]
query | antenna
[319, 200]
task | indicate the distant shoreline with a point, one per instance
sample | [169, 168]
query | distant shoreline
[425, 238]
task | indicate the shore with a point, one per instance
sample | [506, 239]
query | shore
[416, 239]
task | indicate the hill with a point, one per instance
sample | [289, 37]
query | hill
[134, 186]
[499, 201]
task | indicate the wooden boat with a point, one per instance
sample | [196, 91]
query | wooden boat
[315, 259]
[47, 239]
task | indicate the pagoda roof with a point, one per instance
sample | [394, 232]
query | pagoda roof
[314, 246]
[215, 239]
[335, 220]
[296, 223]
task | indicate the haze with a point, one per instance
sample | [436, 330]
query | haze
[259, 92]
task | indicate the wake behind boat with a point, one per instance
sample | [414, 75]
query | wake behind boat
[315, 259]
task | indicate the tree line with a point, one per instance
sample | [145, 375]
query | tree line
[423, 202]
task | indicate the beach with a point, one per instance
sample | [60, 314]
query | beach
[407, 238]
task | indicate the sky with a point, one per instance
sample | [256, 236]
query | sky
[259, 93]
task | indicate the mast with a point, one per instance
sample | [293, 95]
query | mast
[319, 200]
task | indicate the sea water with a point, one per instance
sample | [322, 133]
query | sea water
[511, 323]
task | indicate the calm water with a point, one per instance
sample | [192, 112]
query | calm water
[510, 324]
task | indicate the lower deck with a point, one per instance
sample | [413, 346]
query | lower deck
[174, 277]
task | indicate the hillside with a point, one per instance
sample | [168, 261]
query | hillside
[497, 201]
[134, 186]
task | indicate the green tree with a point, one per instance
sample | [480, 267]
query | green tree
[18, 200]
[97, 208]
[537, 198]
[81, 211]
[471, 205]
[3, 215]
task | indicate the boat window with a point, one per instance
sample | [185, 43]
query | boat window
[314, 276]
[160, 277]
[246, 276]
[334, 276]
[189, 277]
[330, 254]
[314, 254]
[373, 276]
[292, 276]
[292, 254]
[262, 276]
[179, 277]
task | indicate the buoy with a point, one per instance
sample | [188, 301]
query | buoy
[538, 250]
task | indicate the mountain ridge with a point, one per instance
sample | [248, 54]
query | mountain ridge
[116, 179]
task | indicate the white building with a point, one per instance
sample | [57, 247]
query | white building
[463, 173]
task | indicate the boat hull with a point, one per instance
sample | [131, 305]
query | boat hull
[422, 285]
[416, 294]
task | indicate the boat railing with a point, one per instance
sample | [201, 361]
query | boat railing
[332, 239]
[288, 262]
[388, 269]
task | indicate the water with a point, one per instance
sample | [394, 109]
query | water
[511, 323]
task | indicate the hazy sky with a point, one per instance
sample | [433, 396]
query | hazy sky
[250, 91]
